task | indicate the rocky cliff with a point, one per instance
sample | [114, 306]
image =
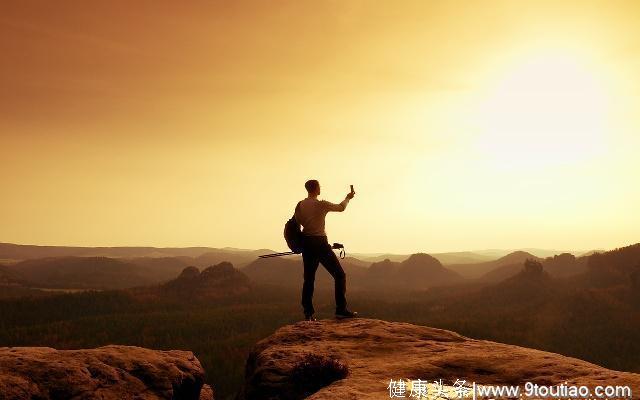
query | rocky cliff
[356, 359]
[111, 372]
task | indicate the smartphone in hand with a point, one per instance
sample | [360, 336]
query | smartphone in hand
[352, 193]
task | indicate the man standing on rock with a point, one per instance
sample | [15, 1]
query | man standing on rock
[310, 213]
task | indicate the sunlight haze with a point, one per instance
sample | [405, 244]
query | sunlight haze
[462, 126]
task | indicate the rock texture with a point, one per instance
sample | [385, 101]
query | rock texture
[376, 351]
[110, 372]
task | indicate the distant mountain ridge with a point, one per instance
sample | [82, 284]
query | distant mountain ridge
[80, 272]
[464, 257]
[10, 251]
[492, 268]
[418, 271]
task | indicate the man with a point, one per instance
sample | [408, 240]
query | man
[310, 213]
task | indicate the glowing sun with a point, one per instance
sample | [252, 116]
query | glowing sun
[545, 110]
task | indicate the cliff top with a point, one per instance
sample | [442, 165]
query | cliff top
[374, 352]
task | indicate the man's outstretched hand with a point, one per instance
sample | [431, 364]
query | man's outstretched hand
[351, 194]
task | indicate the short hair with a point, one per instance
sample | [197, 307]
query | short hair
[311, 185]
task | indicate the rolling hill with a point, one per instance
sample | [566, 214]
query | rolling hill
[511, 261]
[215, 282]
[81, 273]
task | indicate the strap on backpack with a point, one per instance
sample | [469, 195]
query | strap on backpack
[295, 211]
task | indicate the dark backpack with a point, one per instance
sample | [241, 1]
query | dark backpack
[293, 234]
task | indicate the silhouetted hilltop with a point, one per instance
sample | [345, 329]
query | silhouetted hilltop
[221, 280]
[565, 264]
[383, 268]
[613, 267]
[516, 257]
[559, 266]
[532, 280]
[418, 271]
[356, 359]
[494, 270]
[421, 271]
[518, 296]
[356, 262]
[590, 252]
[507, 266]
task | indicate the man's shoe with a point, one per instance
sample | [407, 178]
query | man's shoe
[310, 318]
[346, 314]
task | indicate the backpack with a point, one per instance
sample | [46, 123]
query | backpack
[293, 234]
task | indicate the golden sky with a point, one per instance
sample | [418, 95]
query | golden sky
[462, 124]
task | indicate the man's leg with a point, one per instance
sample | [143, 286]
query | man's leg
[310, 260]
[332, 265]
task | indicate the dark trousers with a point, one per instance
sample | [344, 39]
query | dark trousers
[316, 250]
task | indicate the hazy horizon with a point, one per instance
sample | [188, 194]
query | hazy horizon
[471, 125]
[488, 252]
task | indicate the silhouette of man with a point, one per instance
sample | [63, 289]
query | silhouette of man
[310, 213]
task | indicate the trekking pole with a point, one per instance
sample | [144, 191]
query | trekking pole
[337, 246]
[286, 253]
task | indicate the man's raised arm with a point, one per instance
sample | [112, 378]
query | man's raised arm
[342, 205]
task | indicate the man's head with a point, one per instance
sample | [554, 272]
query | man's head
[313, 187]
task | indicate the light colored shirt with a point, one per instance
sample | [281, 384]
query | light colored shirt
[312, 212]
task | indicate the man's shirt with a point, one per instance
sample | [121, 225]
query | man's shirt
[312, 212]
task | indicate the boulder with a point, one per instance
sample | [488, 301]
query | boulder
[110, 372]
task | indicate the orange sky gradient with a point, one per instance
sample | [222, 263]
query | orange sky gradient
[462, 125]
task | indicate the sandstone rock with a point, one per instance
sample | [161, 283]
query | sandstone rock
[110, 372]
[376, 351]
[217, 281]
